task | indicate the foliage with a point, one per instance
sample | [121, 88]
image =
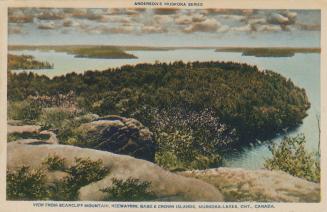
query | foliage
[180, 150]
[26, 184]
[256, 103]
[290, 156]
[54, 163]
[82, 173]
[189, 140]
[129, 190]
[24, 110]
[25, 62]
[54, 117]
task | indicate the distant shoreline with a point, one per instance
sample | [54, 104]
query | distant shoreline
[268, 51]
[119, 52]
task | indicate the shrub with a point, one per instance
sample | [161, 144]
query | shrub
[82, 173]
[24, 110]
[291, 156]
[54, 163]
[189, 139]
[129, 190]
[54, 117]
[179, 150]
[26, 184]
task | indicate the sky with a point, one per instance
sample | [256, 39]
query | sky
[164, 27]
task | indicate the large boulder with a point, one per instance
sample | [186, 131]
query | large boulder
[119, 135]
[258, 185]
[165, 185]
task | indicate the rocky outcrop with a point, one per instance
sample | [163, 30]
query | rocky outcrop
[32, 131]
[167, 186]
[258, 185]
[11, 129]
[119, 135]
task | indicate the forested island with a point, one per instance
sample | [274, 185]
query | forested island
[26, 62]
[90, 51]
[268, 52]
[194, 110]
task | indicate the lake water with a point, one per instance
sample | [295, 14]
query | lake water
[302, 69]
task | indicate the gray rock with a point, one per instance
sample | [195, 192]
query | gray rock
[258, 185]
[119, 135]
[164, 184]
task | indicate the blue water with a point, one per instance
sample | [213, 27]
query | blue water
[302, 69]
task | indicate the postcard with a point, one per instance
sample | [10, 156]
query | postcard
[163, 105]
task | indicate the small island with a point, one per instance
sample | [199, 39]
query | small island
[268, 52]
[26, 62]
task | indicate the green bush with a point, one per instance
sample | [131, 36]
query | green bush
[82, 173]
[30, 184]
[180, 151]
[24, 110]
[291, 156]
[26, 184]
[54, 163]
[129, 190]
[54, 117]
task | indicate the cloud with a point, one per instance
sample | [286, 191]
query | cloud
[256, 21]
[89, 14]
[21, 19]
[188, 19]
[47, 26]
[165, 11]
[243, 12]
[166, 20]
[153, 29]
[51, 15]
[268, 28]
[104, 29]
[183, 20]
[209, 25]
[244, 28]
[232, 17]
[67, 23]
[119, 19]
[123, 11]
[283, 18]
[162, 19]
[198, 17]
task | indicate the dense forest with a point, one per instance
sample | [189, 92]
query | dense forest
[256, 103]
